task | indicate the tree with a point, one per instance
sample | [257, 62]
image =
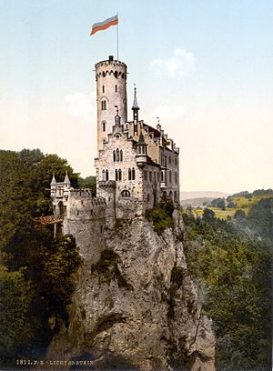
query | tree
[239, 214]
[234, 271]
[208, 214]
[88, 182]
[15, 327]
[218, 202]
[34, 264]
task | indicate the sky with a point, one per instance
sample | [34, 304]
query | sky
[204, 67]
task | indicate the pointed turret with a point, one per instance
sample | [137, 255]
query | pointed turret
[135, 107]
[66, 179]
[141, 139]
[53, 181]
[141, 157]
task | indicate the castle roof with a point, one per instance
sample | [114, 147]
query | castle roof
[66, 179]
[141, 139]
[53, 181]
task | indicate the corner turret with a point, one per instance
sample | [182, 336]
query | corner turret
[141, 157]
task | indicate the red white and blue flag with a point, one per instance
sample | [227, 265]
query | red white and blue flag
[113, 21]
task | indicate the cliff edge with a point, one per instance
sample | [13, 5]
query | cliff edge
[135, 305]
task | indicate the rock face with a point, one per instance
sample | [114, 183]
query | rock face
[135, 306]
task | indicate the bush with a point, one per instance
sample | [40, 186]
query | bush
[161, 216]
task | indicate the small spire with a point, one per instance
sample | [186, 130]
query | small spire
[53, 181]
[141, 139]
[66, 179]
[135, 107]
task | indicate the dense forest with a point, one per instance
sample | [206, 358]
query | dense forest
[36, 271]
[230, 260]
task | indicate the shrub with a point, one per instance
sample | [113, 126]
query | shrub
[161, 216]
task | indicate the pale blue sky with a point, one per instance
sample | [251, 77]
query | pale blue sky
[204, 67]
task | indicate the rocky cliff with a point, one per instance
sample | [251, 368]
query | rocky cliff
[136, 306]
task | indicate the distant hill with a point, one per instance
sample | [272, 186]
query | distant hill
[197, 202]
[202, 194]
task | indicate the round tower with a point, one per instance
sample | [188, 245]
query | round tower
[111, 77]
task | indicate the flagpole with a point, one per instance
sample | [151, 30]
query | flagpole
[117, 40]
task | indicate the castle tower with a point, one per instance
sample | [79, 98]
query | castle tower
[111, 77]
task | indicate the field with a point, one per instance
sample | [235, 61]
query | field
[240, 203]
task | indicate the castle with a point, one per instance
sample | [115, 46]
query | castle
[137, 164]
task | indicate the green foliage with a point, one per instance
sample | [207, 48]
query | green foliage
[36, 277]
[234, 272]
[218, 202]
[15, 327]
[208, 214]
[88, 182]
[161, 216]
[239, 214]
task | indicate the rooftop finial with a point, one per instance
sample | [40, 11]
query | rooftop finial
[135, 107]
[158, 126]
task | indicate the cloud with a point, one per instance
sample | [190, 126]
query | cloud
[81, 105]
[181, 64]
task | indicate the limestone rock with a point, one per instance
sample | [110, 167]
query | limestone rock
[136, 306]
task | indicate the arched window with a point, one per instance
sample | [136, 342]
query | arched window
[175, 196]
[170, 176]
[119, 175]
[129, 174]
[175, 178]
[114, 155]
[120, 155]
[106, 175]
[103, 125]
[117, 154]
[103, 174]
[171, 195]
[103, 88]
[116, 175]
[125, 193]
[133, 174]
[148, 197]
[103, 105]
[116, 88]
[162, 176]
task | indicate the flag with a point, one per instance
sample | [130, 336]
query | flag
[113, 21]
